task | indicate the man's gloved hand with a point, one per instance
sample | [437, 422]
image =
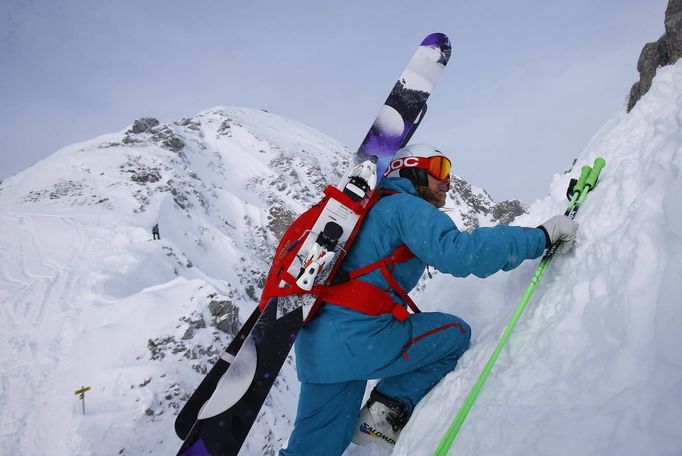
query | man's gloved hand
[560, 228]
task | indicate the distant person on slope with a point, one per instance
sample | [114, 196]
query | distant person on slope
[365, 332]
[155, 232]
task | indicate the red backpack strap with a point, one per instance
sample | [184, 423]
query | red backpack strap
[334, 193]
[370, 299]
[365, 298]
[399, 255]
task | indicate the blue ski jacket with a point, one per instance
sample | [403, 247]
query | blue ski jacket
[396, 219]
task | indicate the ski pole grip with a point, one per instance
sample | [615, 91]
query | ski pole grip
[599, 163]
[584, 174]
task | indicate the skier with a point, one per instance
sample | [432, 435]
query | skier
[155, 232]
[364, 330]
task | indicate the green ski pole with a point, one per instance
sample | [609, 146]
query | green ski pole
[586, 182]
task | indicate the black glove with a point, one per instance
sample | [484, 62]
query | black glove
[560, 228]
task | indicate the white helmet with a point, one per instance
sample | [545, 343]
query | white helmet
[414, 163]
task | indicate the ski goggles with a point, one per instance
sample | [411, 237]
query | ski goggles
[438, 166]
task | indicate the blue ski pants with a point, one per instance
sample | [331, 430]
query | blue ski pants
[409, 357]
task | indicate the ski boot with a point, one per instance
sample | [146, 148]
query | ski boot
[381, 420]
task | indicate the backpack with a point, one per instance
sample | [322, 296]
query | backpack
[339, 288]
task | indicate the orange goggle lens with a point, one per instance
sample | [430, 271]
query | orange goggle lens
[438, 167]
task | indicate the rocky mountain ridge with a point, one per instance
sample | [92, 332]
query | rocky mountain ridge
[662, 52]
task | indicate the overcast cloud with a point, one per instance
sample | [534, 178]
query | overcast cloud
[529, 82]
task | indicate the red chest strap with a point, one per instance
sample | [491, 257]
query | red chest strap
[399, 255]
[370, 299]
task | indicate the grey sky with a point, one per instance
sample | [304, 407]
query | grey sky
[528, 84]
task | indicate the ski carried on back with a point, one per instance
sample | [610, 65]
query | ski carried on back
[218, 416]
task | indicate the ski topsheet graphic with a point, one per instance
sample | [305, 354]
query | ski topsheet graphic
[394, 124]
[218, 416]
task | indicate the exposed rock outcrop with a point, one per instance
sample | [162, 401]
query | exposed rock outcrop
[665, 51]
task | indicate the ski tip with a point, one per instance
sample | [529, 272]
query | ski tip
[436, 39]
[439, 41]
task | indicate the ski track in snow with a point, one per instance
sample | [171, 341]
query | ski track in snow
[43, 286]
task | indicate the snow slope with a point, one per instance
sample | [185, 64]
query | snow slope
[88, 299]
[594, 366]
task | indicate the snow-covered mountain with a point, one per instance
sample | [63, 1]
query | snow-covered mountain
[89, 299]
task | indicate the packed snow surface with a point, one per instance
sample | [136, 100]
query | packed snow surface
[88, 299]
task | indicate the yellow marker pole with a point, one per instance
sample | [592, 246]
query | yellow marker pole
[81, 394]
